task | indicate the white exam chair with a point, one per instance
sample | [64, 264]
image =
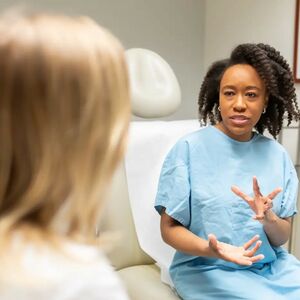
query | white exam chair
[140, 255]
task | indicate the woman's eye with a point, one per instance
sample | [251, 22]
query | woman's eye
[251, 95]
[229, 93]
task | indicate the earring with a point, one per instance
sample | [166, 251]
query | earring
[264, 110]
[219, 109]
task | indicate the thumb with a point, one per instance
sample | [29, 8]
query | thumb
[260, 210]
[213, 242]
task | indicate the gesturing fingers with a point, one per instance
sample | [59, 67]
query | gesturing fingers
[251, 252]
[258, 217]
[268, 204]
[248, 261]
[273, 194]
[243, 261]
[250, 242]
[241, 194]
[213, 242]
[256, 189]
[257, 258]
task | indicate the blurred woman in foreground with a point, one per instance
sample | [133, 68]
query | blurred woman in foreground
[64, 113]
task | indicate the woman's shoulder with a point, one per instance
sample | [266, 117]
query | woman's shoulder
[181, 149]
[269, 142]
[185, 146]
[272, 148]
[194, 138]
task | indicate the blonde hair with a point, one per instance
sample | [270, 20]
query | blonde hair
[64, 113]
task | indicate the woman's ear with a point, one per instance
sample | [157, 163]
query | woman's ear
[266, 104]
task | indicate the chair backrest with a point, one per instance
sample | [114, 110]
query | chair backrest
[130, 207]
[117, 219]
[155, 92]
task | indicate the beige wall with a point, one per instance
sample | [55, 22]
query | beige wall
[231, 22]
[189, 34]
[172, 28]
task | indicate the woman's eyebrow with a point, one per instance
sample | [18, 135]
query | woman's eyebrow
[228, 87]
[249, 87]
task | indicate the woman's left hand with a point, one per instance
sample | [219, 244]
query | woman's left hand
[260, 204]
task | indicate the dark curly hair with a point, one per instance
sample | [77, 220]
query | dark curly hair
[273, 70]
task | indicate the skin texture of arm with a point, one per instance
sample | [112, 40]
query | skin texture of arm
[277, 229]
[183, 240]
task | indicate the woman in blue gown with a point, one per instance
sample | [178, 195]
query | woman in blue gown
[227, 194]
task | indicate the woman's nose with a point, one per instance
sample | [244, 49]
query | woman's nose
[240, 104]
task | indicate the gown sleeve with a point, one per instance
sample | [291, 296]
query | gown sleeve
[173, 192]
[290, 192]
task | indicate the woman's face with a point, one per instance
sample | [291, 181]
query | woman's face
[242, 99]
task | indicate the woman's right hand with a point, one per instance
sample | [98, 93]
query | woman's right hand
[239, 255]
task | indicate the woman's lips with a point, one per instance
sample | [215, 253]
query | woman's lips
[239, 120]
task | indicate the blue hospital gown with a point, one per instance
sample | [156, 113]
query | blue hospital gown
[195, 188]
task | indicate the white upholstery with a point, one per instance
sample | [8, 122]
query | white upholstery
[143, 283]
[149, 143]
[138, 271]
[155, 90]
[117, 219]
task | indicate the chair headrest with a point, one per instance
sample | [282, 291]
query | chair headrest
[155, 91]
